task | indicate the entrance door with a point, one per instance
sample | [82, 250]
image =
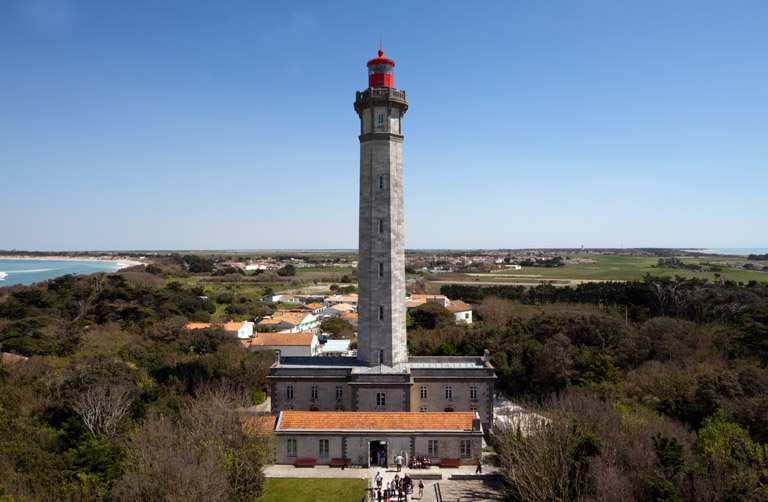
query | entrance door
[377, 454]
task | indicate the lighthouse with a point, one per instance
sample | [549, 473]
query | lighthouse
[381, 272]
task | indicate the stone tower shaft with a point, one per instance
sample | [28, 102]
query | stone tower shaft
[381, 275]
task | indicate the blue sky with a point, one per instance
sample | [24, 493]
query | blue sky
[229, 125]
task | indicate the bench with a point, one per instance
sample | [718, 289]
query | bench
[450, 462]
[341, 462]
[306, 462]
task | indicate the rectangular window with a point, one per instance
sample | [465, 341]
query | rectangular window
[449, 393]
[423, 409]
[323, 448]
[381, 226]
[381, 120]
[289, 392]
[314, 393]
[381, 313]
[466, 448]
[381, 270]
[423, 392]
[381, 399]
[381, 357]
[339, 392]
[433, 448]
[290, 447]
[473, 393]
[381, 182]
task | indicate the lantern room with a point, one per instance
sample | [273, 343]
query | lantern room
[381, 71]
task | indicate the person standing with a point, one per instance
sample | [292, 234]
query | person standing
[421, 489]
[378, 479]
[479, 469]
[399, 462]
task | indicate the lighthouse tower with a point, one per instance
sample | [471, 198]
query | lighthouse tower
[381, 276]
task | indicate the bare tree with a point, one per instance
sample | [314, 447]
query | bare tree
[101, 408]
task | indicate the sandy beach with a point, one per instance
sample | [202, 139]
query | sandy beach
[116, 259]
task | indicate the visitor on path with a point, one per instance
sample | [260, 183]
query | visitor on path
[479, 469]
[399, 462]
[421, 489]
[378, 479]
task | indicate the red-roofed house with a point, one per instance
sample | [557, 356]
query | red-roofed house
[374, 437]
[289, 344]
[461, 310]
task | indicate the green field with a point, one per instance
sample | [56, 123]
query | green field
[605, 268]
[311, 490]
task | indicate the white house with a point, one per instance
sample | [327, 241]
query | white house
[290, 321]
[461, 310]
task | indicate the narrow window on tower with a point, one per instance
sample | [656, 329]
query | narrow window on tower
[381, 357]
[381, 182]
[314, 393]
[339, 392]
[381, 270]
[381, 120]
[381, 313]
[381, 226]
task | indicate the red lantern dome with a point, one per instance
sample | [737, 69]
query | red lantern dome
[381, 71]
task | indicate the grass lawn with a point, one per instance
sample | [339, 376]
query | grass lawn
[311, 490]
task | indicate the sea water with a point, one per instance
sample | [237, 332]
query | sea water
[30, 271]
[735, 251]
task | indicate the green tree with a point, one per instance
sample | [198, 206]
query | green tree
[287, 271]
[337, 326]
[430, 315]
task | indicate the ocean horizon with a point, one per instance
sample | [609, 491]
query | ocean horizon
[25, 272]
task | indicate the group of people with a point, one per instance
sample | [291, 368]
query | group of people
[421, 462]
[398, 487]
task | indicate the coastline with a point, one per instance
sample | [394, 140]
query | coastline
[124, 263]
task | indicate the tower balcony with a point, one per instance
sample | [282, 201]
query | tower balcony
[379, 94]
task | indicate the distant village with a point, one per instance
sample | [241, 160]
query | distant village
[296, 331]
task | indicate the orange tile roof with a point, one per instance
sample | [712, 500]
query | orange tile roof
[13, 358]
[342, 306]
[294, 318]
[197, 325]
[349, 315]
[271, 339]
[266, 321]
[233, 326]
[458, 306]
[315, 305]
[258, 425]
[424, 297]
[375, 421]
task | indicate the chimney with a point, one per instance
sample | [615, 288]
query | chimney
[277, 357]
[487, 357]
[475, 423]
